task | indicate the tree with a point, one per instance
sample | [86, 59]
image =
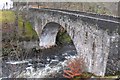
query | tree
[16, 20]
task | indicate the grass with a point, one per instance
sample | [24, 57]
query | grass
[9, 17]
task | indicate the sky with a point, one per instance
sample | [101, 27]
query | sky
[3, 2]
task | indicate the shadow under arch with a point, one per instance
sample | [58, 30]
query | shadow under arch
[49, 35]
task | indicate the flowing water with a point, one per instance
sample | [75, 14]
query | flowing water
[40, 64]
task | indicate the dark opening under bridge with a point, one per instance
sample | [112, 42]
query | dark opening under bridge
[96, 37]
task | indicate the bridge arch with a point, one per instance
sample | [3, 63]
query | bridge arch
[49, 34]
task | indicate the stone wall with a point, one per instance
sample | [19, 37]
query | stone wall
[113, 64]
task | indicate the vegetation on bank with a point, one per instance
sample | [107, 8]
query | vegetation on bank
[9, 17]
[29, 31]
[12, 34]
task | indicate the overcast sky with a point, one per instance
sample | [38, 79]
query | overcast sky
[3, 2]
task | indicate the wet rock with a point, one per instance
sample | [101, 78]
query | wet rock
[61, 58]
[65, 54]
[29, 64]
[52, 57]
[53, 63]
[40, 65]
[71, 53]
[48, 59]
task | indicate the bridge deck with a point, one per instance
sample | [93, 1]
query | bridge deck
[83, 14]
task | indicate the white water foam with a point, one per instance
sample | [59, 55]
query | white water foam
[46, 71]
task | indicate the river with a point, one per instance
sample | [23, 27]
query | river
[39, 63]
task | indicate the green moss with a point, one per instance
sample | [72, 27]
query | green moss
[66, 38]
[29, 31]
[7, 16]
[63, 38]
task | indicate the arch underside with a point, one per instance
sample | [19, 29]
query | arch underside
[48, 35]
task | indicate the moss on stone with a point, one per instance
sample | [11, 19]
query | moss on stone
[63, 38]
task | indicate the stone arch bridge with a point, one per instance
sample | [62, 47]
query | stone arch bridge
[96, 37]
